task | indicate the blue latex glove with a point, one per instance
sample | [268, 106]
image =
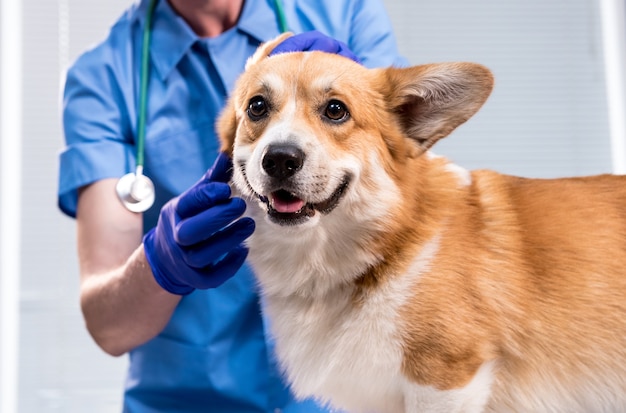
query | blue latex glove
[314, 40]
[197, 242]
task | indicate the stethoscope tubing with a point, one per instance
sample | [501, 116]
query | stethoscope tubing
[135, 190]
[143, 84]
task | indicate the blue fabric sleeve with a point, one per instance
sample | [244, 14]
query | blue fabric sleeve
[363, 25]
[371, 35]
[96, 126]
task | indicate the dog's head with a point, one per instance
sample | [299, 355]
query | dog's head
[309, 132]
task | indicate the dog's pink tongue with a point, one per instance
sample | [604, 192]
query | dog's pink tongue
[286, 206]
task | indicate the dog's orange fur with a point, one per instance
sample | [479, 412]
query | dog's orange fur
[528, 274]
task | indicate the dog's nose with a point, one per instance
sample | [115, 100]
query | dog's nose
[282, 161]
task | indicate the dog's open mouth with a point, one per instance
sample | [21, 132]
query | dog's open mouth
[286, 208]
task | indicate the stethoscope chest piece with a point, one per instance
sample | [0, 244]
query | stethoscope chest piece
[136, 191]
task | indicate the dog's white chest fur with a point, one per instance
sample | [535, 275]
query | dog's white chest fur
[351, 355]
[329, 346]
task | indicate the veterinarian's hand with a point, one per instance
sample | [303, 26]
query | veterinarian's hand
[314, 40]
[197, 242]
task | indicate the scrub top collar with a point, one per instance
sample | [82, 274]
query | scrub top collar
[172, 37]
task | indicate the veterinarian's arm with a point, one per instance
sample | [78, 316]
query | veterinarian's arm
[122, 304]
[128, 293]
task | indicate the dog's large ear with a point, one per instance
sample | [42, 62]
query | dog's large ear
[266, 48]
[430, 101]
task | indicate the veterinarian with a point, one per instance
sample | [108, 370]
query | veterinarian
[181, 304]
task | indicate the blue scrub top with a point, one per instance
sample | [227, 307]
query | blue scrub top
[214, 355]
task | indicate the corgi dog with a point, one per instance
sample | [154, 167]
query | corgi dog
[397, 281]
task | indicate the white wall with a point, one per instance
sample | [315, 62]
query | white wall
[547, 117]
[61, 369]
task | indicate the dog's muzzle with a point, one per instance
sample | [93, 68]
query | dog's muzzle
[285, 200]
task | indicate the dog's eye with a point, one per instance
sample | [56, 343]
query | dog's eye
[257, 108]
[336, 111]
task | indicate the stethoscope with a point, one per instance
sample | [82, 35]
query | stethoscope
[136, 190]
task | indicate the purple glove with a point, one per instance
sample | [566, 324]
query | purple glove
[314, 40]
[197, 242]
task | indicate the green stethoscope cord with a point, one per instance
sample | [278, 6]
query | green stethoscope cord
[143, 84]
[280, 13]
[135, 190]
[145, 67]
